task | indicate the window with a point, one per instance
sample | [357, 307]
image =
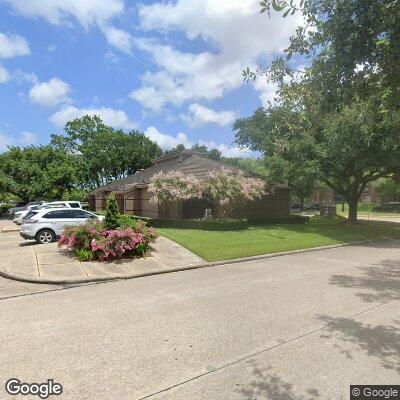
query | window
[59, 214]
[75, 205]
[30, 214]
[80, 214]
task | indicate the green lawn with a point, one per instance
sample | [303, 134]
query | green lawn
[264, 239]
[363, 210]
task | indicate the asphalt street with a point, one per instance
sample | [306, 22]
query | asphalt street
[295, 327]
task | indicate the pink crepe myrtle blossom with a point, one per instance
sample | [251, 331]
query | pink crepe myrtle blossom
[174, 188]
[230, 190]
[108, 244]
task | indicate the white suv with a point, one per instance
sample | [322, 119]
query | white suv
[46, 225]
[20, 215]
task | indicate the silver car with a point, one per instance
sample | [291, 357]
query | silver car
[20, 215]
[46, 225]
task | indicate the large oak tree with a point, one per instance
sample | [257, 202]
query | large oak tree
[342, 112]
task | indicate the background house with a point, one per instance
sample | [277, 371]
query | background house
[133, 197]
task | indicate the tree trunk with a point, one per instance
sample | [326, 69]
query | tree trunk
[353, 208]
[342, 206]
[301, 203]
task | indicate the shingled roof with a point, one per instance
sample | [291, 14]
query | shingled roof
[186, 161]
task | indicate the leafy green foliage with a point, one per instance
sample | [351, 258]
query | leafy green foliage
[126, 221]
[254, 165]
[340, 116]
[212, 154]
[37, 172]
[388, 188]
[103, 153]
[83, 254]
[111, 219]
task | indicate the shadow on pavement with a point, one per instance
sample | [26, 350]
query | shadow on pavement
[380, 282]
[268, 385]
[380, 341]
[380, 244]
[27, 243]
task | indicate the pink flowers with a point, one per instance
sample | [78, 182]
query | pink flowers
[174, 186]
[228, 189]
[104, 245]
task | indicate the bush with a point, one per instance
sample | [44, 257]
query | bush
[207, 225]
[94, 242]
[112, 213]
[4, 208]
[127, 220]
[83, 254]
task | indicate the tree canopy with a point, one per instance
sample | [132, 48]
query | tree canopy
[339, 117]
[105, 154]
[37, 172]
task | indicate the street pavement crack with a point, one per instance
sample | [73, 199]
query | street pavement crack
[254, 354]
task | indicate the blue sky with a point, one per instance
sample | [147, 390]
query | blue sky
[169, 69]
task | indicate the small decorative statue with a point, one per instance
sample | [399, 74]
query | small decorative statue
[207, 214]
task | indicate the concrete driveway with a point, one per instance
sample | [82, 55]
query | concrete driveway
[295, 327]
[27, 261]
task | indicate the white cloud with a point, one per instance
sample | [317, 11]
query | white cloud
[58, 12]
[50, 93]
[200, 115]
[267, 91]
[4, 75]
[5, 141]
[227, 151]
[118, 38]
[184, 76]
[24, 76]
[85, 12]
[13, 46]
[167, 141]
[28, 138]
[234, 28]
[116, 118]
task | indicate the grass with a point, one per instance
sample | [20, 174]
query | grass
[265, 239]
[363, 210]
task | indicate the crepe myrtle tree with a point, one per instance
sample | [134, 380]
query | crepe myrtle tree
[173, 188]
[229, 190]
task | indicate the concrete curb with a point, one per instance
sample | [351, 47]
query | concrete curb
[68, 281]
[10, 229]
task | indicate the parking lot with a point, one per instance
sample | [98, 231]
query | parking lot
[26, 260]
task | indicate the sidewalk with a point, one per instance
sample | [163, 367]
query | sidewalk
[30, 262]
[6, 225]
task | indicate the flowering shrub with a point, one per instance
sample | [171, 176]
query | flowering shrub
[173, 188]
[95, 242]
[230, 190]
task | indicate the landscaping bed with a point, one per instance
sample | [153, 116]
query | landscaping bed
[272, 238]
[115, 237]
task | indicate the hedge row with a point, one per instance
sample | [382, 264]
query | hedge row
[293, 219]
[215, 225]
[207, 225]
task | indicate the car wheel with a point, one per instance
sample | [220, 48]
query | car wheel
[45, 236]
